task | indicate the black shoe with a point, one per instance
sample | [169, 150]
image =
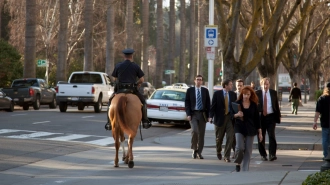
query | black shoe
[194, 155]
[272, 158]
[227, 160]
[146, 124]
[219, 156]
[107, 126]
[238, 168]
[264, 158]
[200, 156]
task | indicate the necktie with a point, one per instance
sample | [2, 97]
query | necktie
[226, 103]
[199, 100]
[264, 111]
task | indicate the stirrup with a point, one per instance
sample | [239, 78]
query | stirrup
[107, 126]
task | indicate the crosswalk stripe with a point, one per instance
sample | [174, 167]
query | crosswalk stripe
[68, 138]
[28, 134]
[102, 142]
[32, 135]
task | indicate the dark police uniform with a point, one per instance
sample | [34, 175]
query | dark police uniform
[127, 73]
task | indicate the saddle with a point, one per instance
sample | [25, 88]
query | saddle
[126, 88]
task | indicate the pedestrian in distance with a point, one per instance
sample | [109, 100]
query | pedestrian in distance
[247, 125]
[295, 98]
[220, 114]
[197, 105]
[323, 110]
[269, 111]
[128, 76]
[239, 87]
[253, 86]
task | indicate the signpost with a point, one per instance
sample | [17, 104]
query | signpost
[210, 53]
[211, 36]
[170, 72]
[44, 63]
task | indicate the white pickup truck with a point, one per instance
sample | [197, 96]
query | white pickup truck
[84, 88]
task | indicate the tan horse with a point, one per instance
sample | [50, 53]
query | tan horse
[125, 116]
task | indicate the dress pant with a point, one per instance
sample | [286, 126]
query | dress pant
[268, 124]
[226, 128]
[243, 153]
[198, 124]
[295, 104]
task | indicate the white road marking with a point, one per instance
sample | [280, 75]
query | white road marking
[102, 142]
[32, 135]
[87, 116]
[308, 170]
[69, 137]
[2, 131]
[40, 122]
[18, 114]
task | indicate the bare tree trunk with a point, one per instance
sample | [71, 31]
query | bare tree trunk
[171, 47]
[145, 24]
[200, 50]
[192, 62]
[182, 71]
[88, 55]
[62, 41]
[30, 40]
[159, 49]
[129, 24]
[110, 52]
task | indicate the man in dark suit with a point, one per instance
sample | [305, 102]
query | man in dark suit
[270, 115]
[197, 104]
[223, 120]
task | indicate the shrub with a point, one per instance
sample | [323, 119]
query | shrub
[318, 178]
[318, 93]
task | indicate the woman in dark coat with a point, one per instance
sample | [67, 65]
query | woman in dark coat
[246, 128]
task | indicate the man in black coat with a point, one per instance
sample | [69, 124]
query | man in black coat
[223, 119]
[197, 104]
[270, 115]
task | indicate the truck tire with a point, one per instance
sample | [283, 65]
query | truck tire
[81, 106]
[36, 104]
[26, 106]
[63, 106]
[53, 104]
[98, 105]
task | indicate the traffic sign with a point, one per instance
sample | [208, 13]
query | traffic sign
[210, 53]
[42, 63]
[167, 72]
[211, 36]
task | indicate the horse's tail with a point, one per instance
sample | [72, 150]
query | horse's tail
[121, 108]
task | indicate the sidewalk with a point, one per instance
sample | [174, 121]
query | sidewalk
[168, 161]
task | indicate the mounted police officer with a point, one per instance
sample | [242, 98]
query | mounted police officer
[126, 74]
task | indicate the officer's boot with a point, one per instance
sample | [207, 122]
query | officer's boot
[108, 126]
[145, 121]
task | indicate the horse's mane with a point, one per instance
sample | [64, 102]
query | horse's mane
[120, 114]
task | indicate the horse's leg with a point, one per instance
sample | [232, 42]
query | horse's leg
[122, 144]
[117, 144]
[130, 151]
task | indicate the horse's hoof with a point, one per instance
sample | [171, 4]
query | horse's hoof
[124, 158]
[131, 164]
[116, 165]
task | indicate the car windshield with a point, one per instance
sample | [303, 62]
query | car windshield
[169, 95]
[25, 83]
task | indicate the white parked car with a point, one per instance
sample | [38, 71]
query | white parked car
[167, 105]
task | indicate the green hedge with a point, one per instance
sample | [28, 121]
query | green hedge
[318, 178]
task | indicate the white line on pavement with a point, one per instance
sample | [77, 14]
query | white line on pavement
[87, 116]
[40, 122]
[18, 114]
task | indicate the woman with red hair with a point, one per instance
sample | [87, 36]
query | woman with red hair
[247, 125]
